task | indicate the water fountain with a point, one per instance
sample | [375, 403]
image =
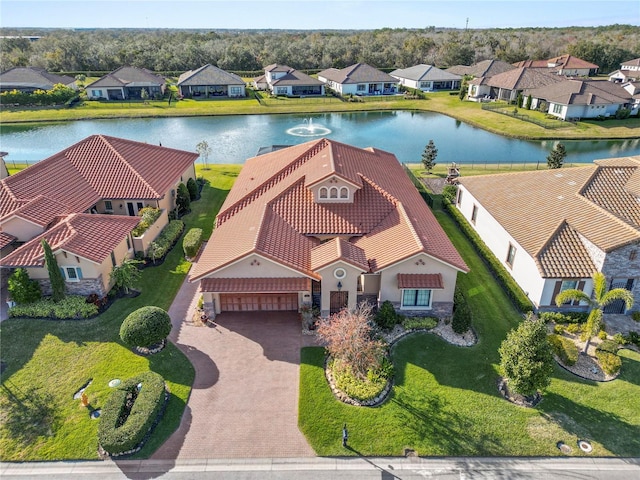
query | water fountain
[308, 129]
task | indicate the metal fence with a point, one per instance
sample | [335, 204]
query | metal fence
[512, 111]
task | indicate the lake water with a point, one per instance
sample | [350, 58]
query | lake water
[235, 138]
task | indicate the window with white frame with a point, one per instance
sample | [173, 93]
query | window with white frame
[333, 193]
[108, 206]
[324, 192]
[344, 192]
[416, 298]
[281, 90]
[361, 87]
[71, 274]
[474, 214]
[96, 93]
[557, 108]
[511, 255]
[235, 90]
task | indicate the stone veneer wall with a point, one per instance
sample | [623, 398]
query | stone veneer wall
[84, 287]
[438, 310]
[617, 264]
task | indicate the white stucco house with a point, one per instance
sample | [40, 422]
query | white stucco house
[330, 225]
[629, 72]
[286, 81]
[427, 78]
[359, 79]
[552, 229]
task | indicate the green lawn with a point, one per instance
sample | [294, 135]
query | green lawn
[445, 399]
[441, 102]
[47, 362]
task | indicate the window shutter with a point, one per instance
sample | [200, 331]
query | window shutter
[556, 291]
[79, 270]
[581, 288]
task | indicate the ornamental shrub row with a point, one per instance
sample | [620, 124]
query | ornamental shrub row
[192, 242]
[564, 348]
[129, 413]
[70, 307]
[566, 317]
[415, 323]
[167, 238]
[512, 289]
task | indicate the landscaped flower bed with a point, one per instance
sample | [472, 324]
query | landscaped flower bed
[71, 307]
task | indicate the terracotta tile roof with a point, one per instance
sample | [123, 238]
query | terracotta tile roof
[422, 280]
[569, 61]
[532, 64]
[41, 211]
[532, 205]
[270, 212]
[255, 285]
[209, 75]
[357, 73]
[631, 63]
[607, 188]
[88, 236]
[565, 256]
[335, 250]
[6, 239]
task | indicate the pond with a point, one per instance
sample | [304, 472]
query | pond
[235, 138]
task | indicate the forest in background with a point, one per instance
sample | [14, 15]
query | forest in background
[246, 51]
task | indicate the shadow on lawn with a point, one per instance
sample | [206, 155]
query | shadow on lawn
[608, 429]
[385, 474]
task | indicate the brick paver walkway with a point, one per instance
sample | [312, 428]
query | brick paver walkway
[244, 401]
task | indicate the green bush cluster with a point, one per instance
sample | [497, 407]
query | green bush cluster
[358, 389]
[70, 307]
[635, 315]
[564, 348]
[22, 288]
[414, 323]
[513, 290]
[633, 338]
[574, 328]
[118, 432]
[192, 242]
[609, 362]
[148, 216]
[610, 346]
[58, 95]
[386, 317]
[559, 329]
[145, 326]
[566, 317]
[192, 187]
[167, 238]
[461, 321]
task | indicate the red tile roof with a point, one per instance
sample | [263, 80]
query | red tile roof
[6, 239]
[422, 280]
[92, 237]
[270, 212]
[255, 285]
[335, 250]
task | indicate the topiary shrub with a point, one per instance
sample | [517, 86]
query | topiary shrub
[192, 187]
[609, 362]
[145, 327]
[22, 288]
[130, 413]
[386, 317]
[461, 321]
[564, 348]
[191, 242]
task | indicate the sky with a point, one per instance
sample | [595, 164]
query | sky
[314, 14]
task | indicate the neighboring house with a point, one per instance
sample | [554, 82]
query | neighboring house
[566, 65]
[4, 172]
[30, 79]
[629, 72]
[552, 229]
[576, 99]
[359, 79]
[427, 78]
[485, 68]
[97, 177]
[210, 81]
[327, 224]
[508, 85]
[126, 83]
[284, 80]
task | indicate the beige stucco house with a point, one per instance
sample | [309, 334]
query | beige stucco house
[327, 224]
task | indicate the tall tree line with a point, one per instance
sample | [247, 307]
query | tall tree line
[170, 50]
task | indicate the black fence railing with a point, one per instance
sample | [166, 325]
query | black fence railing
[514, 112]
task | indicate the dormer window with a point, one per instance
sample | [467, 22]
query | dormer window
[344, 192]
[323, 192]
[333, 193]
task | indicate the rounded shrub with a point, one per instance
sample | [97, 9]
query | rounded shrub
[609, 362]
[461, 321]
[564, 348]
[145, 327]
[386, 317]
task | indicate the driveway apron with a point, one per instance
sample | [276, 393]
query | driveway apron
[244, 401]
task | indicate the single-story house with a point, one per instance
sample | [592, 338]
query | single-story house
[284, 80]
[211, 81]
[359, 79]
[552, 229]
[485, 68]
[629, 72]
[576, 99]
[97, 177]
[566, 65]
[126, 83]
[427, 78]
[326, 224]
[508, 85]
[30, 79]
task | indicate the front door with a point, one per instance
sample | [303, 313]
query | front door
[338, 301]
[619, 306]
[132, 209]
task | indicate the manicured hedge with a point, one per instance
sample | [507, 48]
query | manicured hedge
[414, 323]
[566, 317]
[167, 238]
[70, 307]
[512, 289]
[461, 321]
[192, 242]
[609, 362]
[145, 327]
[119, 432]
[148, 215]
[564, 348]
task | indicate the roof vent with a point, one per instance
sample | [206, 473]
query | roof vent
[572, 183]
[560, 197]
[559, 175]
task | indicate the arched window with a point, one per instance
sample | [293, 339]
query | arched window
[333, 193]
[344, 192]
[323, 192]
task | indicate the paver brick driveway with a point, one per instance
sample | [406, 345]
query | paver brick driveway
[244, 401]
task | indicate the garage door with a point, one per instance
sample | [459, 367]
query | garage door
[244, 302]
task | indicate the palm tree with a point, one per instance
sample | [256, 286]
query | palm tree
[601, 298]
